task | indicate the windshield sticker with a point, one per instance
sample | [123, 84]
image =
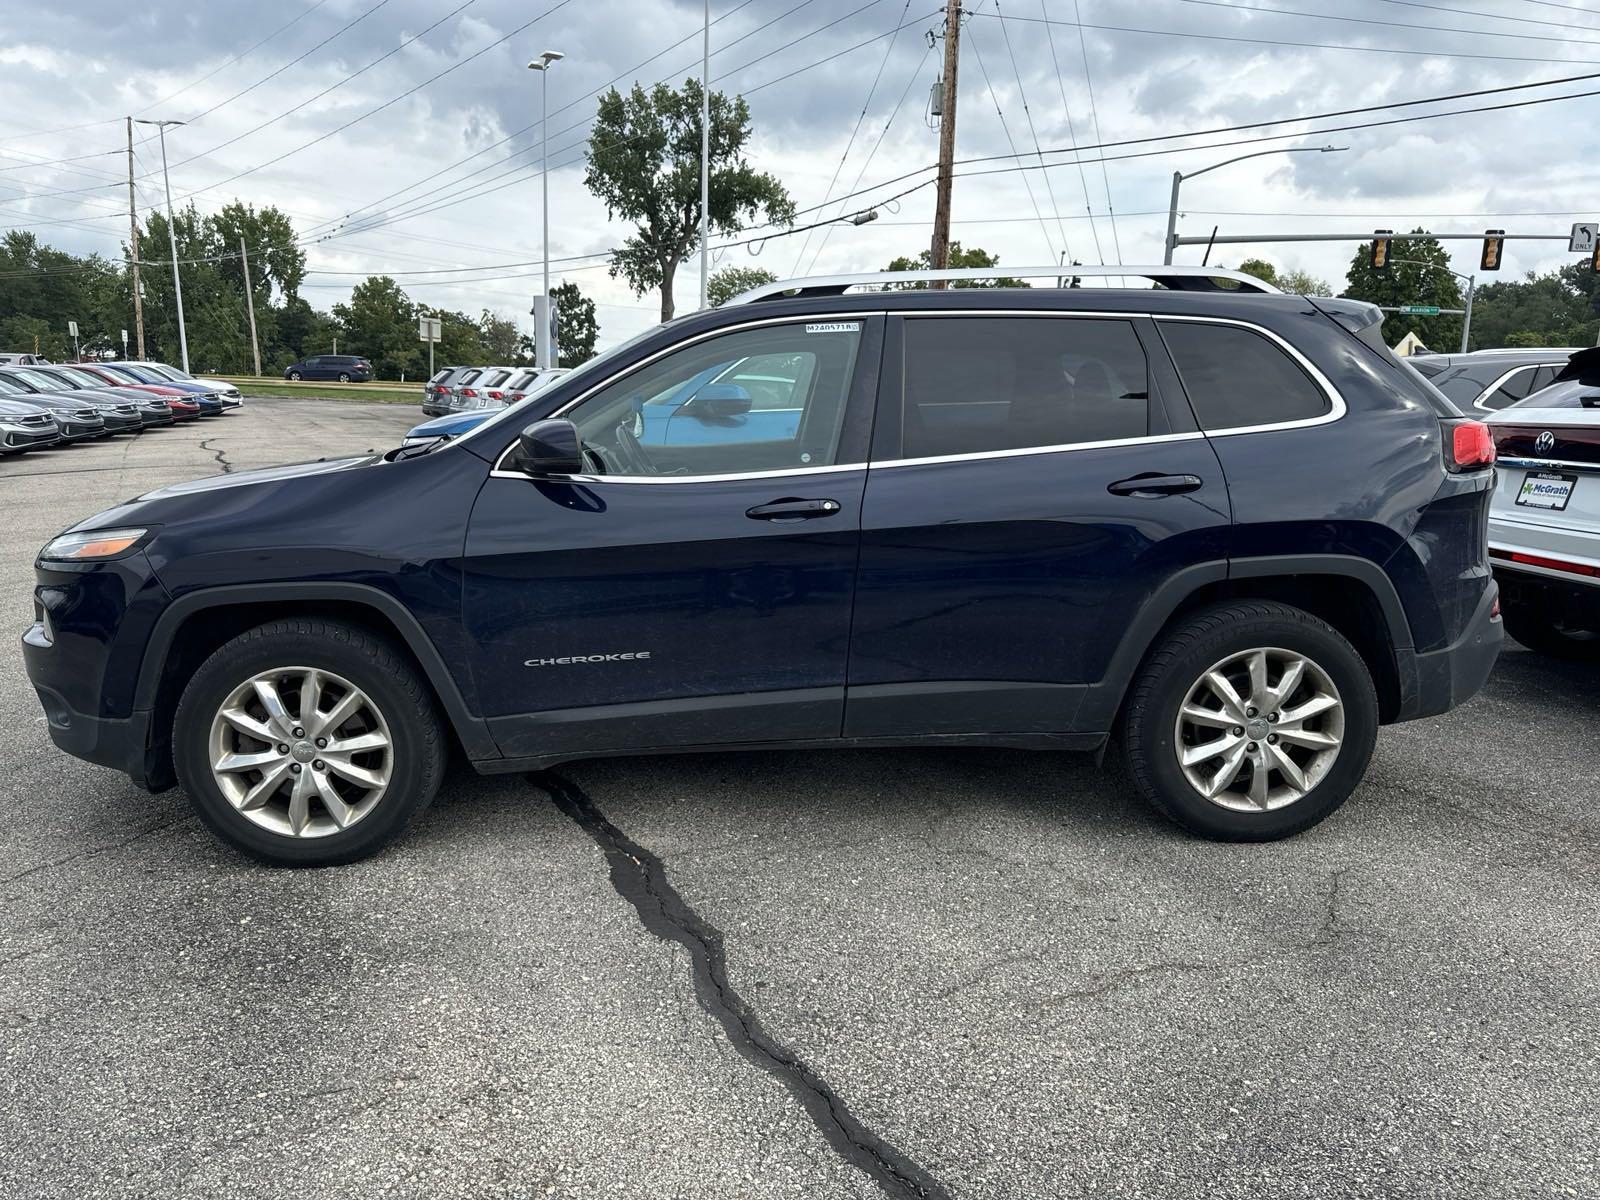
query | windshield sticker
[834, 327]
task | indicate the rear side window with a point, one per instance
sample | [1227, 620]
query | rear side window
[1569, 393]
[1517, 385]
[977, 385]
[1236, 377]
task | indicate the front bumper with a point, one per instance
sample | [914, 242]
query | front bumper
[16, 438]
[116, 422]
[82, 654]
[1440, 680]
[75, 430]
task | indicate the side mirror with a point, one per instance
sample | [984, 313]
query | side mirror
[550, 447]
[719, 401]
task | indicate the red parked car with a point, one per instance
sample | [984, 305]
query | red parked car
[184, 407]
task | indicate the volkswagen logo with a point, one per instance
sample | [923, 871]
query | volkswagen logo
[1544, 443]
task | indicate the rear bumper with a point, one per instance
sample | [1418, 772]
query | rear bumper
[1440, 680]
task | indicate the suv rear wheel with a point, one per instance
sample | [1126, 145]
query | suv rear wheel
[308, 742]
[1250, 721]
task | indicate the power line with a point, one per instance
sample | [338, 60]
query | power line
[1022, 94]
[1006, 129]
[243, 54]
[1083, 178]
[1094, 119]
[856, 129]
[1467, 12]
[1081, 25]
[1313, 16]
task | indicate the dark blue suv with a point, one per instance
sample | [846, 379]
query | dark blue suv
[1225, 529]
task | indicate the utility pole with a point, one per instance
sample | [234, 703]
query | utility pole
[939, 256]
[250, 300]
[133, 249]
[705, 157]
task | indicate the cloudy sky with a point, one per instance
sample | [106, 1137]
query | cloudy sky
[402, 135]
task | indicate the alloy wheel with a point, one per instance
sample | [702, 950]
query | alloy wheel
[1259, 730]
[301, 752]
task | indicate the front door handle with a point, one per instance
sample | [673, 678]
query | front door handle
[791, 509]
[1155, 485]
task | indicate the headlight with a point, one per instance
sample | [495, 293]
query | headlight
[95, 543]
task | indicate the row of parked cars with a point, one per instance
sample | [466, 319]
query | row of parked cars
[47, 404]
[464, 389]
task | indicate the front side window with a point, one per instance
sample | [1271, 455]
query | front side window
[1236, 378]
[976, 385]
[765, 399]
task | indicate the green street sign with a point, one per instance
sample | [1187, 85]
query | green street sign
[1420, 310]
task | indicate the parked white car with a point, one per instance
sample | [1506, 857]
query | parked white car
[1544, 524]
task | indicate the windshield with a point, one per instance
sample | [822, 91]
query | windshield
[160, 370]
[137, 374]
[82, 378]
[597, 365]
[43, 382]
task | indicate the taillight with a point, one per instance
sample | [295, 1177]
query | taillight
[1470, 445]
[493, 395]
[465, 392]
[514, 396]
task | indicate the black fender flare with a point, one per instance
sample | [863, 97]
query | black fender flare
[1102, 700]
[473, 732]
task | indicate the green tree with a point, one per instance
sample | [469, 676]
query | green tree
[501, 339]
[729, 282]
[644, 163]
[380, 322]
[959, 257]
[1537, 310]
[1296, 283]
[1407, 282]
[580, 328]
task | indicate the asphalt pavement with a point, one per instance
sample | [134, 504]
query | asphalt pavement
[825, 974]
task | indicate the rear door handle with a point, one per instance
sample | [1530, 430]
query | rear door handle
[791, 509]
[1155, 485]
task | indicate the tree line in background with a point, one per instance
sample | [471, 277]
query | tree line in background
[643, 164]
[42, 288]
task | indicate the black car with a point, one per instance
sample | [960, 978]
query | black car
[1488, 380]
[345, 368]
[1224, 530]
[25, 427]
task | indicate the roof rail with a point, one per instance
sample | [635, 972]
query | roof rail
[1182, 279]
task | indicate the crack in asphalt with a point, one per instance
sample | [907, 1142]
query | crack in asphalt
[220, 455]
[96, 851]
[641, 879]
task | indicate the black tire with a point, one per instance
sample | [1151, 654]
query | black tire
[1534, 626]
[344, 377]
[372, 664]
[1190, 648]
[295, 375]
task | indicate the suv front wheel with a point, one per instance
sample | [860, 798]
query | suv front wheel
[308, 742]
[1250, 721]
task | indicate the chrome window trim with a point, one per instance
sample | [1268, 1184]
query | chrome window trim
[1478, 401]
[1337, 407]
[500, 471]
[729, 478]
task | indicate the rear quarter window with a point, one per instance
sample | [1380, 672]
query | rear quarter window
[1236, 378]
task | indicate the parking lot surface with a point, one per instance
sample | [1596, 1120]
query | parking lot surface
[825, 974]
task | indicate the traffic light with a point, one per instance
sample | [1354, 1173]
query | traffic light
[1494, 243]
[1380, 249]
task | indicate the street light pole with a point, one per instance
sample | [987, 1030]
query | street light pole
[542, 64]
[1472, 286]
[1178, 177]
[172, 236]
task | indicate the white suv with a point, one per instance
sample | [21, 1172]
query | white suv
[1544, 526]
